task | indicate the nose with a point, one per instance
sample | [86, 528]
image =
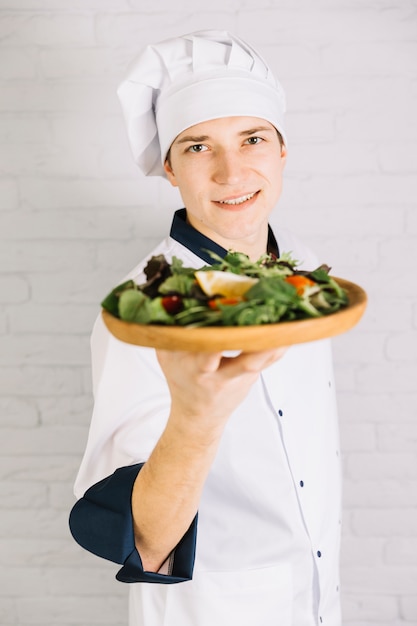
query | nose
[229, 168]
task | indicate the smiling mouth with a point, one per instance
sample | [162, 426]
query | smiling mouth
[240, 200]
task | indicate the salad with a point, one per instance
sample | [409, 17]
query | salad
[234, 291]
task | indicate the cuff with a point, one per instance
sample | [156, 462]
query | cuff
[101, 522]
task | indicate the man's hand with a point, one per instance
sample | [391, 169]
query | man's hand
[207, 387]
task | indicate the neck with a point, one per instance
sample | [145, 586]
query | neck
[254, 245]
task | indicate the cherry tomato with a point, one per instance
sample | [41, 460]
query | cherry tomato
[172, 304]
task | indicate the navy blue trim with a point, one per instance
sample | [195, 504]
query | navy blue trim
[199, 244]
[192, 239]
[101, 522]
[183, 563]
[272, 246]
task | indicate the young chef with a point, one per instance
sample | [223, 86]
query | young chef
[214, 478]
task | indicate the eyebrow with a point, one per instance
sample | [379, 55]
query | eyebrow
[258, 129]
[189, 138]
[202, 138]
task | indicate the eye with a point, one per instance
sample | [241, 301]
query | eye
[253, 141]
[197, 147]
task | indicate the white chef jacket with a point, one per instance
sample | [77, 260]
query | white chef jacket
[268, 528]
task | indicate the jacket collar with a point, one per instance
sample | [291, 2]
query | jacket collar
[201, 245]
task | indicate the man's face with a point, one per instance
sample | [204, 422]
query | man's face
[229, 174]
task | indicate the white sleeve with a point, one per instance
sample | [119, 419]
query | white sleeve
[131, 407]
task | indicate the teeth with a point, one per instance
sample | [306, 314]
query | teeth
[238, 200]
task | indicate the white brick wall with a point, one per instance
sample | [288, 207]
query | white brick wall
[75, 215]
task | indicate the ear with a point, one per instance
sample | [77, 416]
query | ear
[170, 173]
[284, 153]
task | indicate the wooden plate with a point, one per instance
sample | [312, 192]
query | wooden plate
[248, 338]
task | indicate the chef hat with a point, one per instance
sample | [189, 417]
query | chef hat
[186, 80]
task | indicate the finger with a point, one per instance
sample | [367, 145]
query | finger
[204, 362]
[252, 361]
[208, 362]
[249, 361]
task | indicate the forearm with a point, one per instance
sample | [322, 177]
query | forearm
[167, 491]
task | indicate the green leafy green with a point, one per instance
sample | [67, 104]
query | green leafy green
[111, 301]
[178, 283]
[134, 306]
[274, 289]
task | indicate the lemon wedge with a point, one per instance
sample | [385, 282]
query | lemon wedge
[215, 282]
